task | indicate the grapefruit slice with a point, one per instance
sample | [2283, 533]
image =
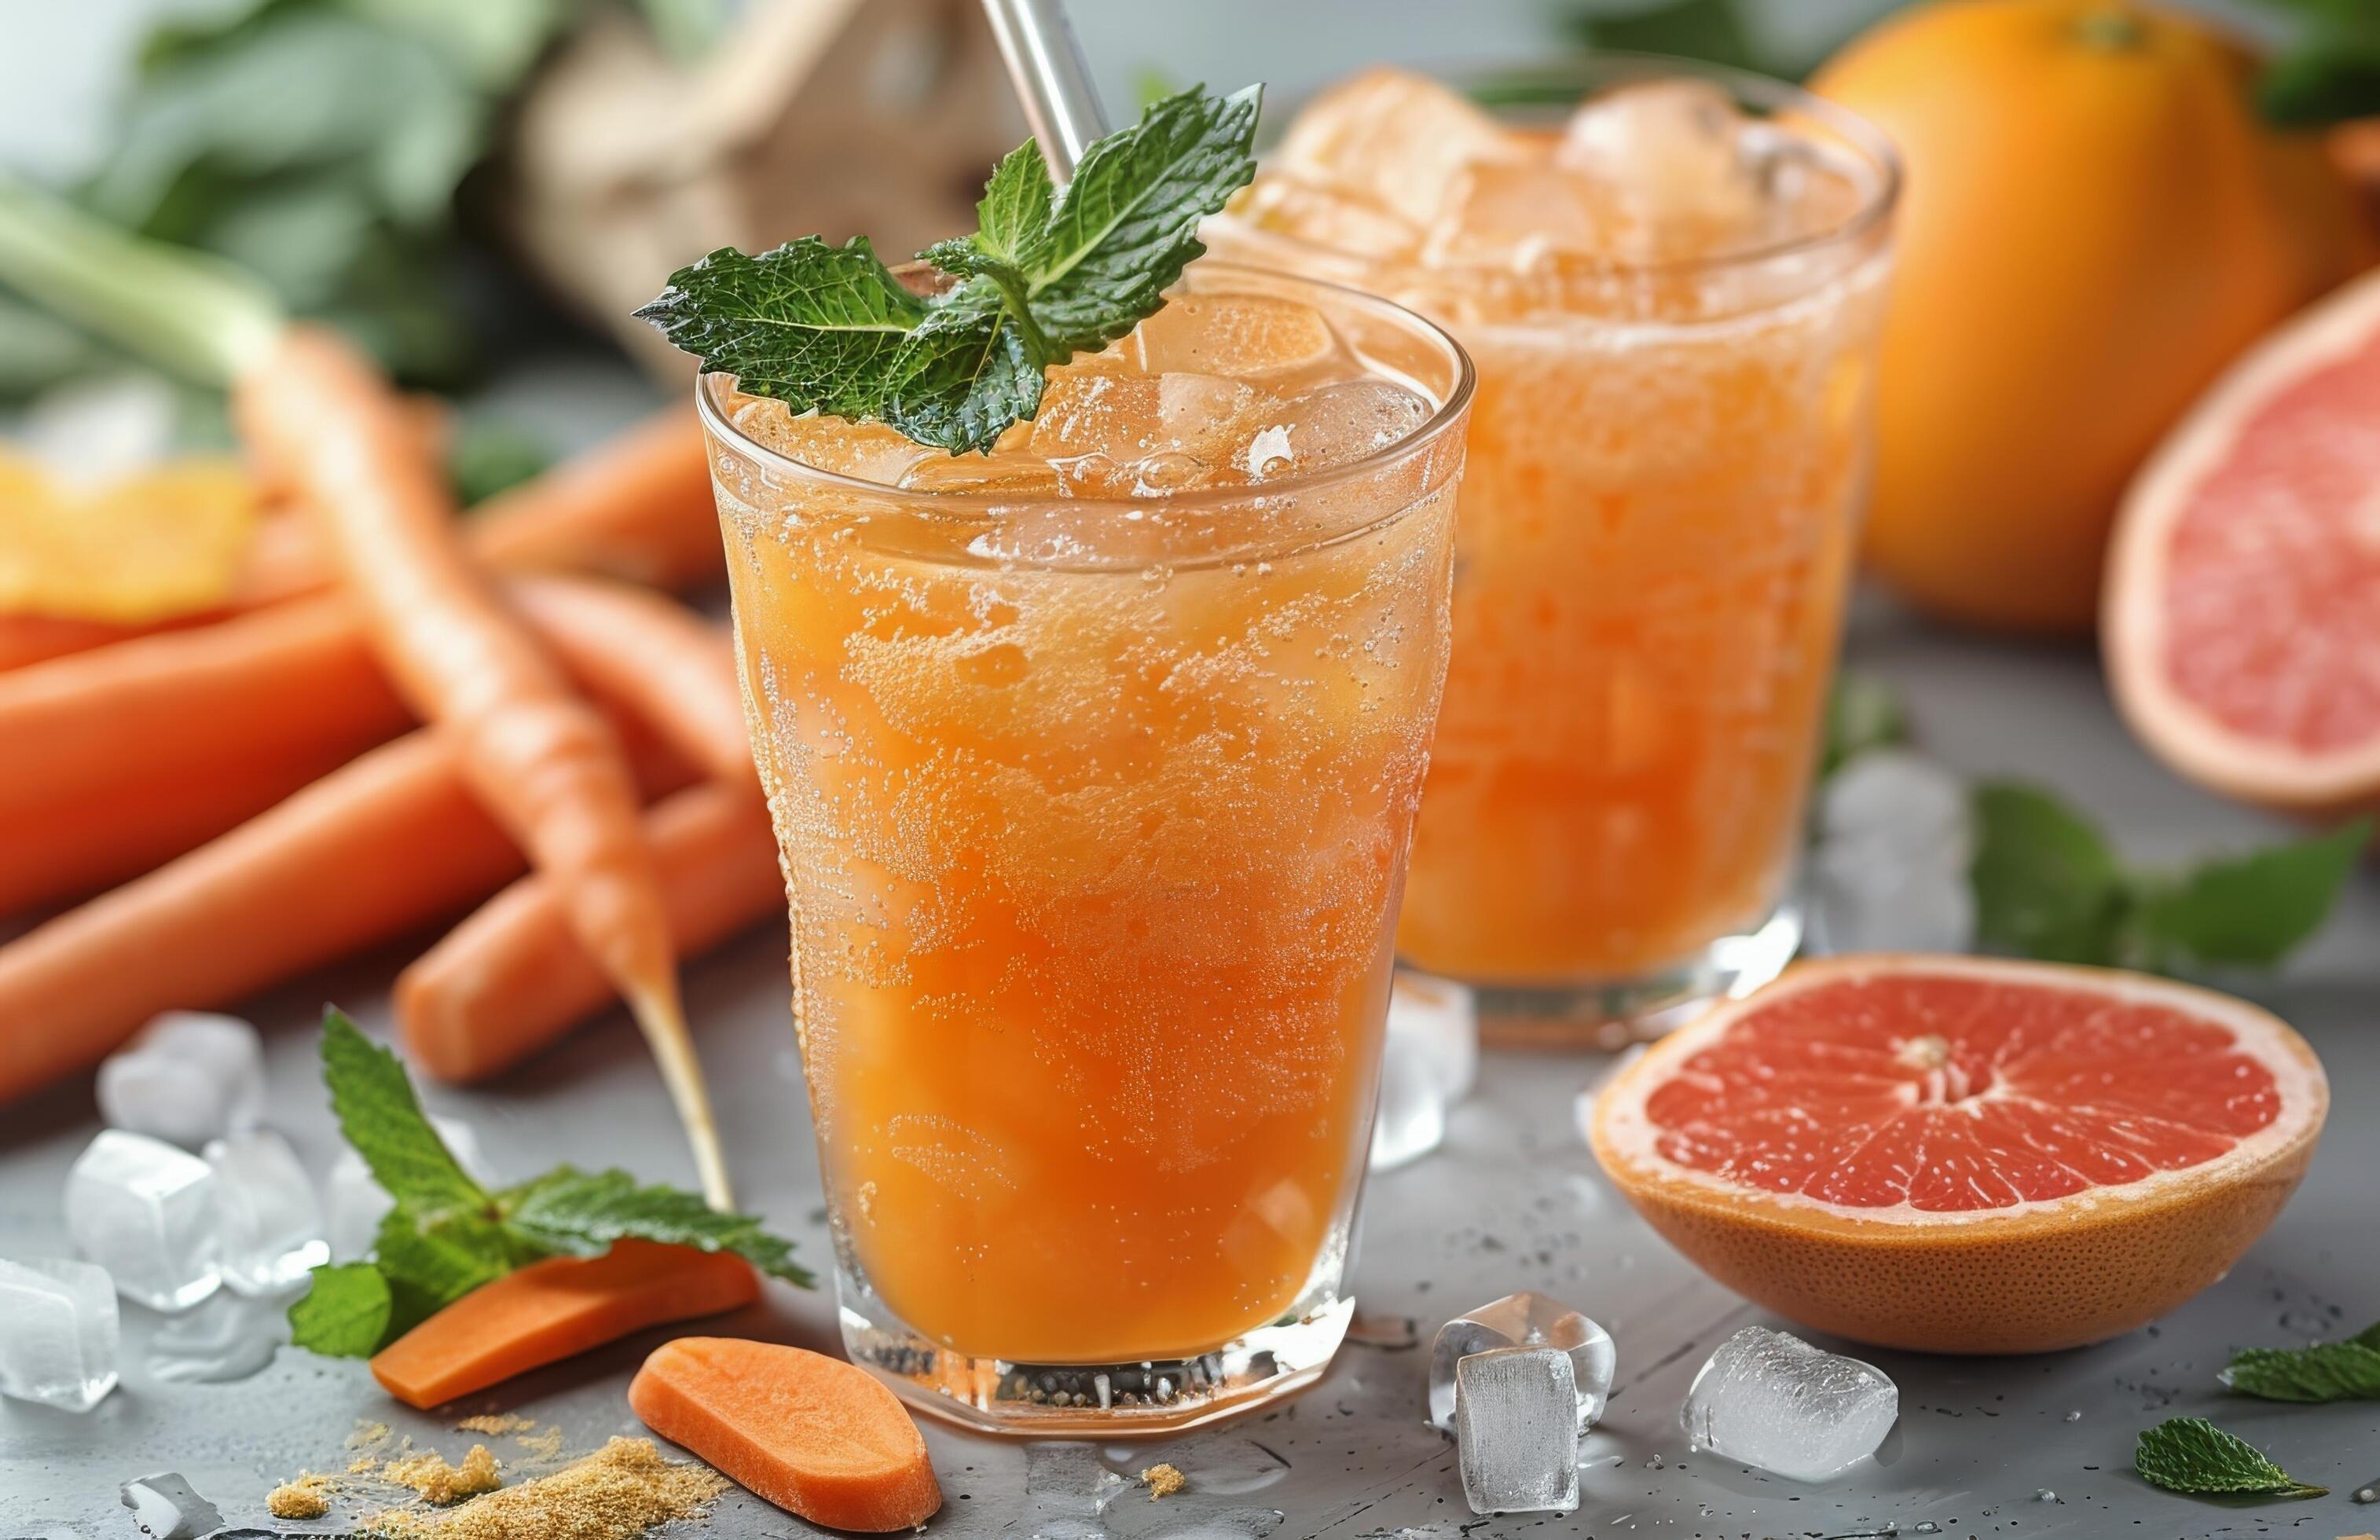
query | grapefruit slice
[1963, 1155]
[2242, 612]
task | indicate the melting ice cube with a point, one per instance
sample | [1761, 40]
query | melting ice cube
[166, 1508]
[187, 1078]
[1773, 1401]
[1428, 1061]
[1889, 872]
[1525, 1319]
[1515, 1430]
[272, 1233]
[58, 1332]
[146, 1212]
[357, 1203]
[227, 1338]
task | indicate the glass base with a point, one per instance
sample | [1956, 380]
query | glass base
[1611, 1013]
[1093, 1400]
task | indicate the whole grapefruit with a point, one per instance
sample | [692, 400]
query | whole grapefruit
[2094, 222]
[2242, 619]
[1964, 1154]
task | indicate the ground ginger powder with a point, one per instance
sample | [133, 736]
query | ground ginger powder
[616, 1493]
[307, 1496]
[437, 1482]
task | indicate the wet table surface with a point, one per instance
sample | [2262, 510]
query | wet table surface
[1511, 1201]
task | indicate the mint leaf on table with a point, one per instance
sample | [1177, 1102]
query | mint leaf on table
[2192, 1456]
[2253, 910]
[2325, 1372]
[1049, 274]
[381, 1116]
[579, 1214]
[2048, 884]
[344, 1315]
[446, 1235]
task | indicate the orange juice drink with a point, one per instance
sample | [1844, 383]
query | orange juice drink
[1094, 763]
[1672, 298]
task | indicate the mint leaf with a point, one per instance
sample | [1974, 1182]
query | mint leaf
[2192, 1456]
[2325, 1372]
[344, 1315]
[381, 1116]
[2046, 882]
[814, 325]
[1127, 224]
[1049, 274]
[2253, 910]
[581, 1214]
[1862, 712]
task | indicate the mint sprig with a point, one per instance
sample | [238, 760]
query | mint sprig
[447, 1235]
[2049, 884]
[1048, 273]
[2325, 1372]
[2192, 1456]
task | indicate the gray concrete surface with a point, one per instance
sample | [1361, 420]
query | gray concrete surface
[1513, 1201]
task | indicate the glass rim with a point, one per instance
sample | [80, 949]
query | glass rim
[1447, 413]
[1580, 75]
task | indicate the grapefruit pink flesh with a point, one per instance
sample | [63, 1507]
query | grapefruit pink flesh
[1966, 1155]
[2241, 616]
[1951, 1095]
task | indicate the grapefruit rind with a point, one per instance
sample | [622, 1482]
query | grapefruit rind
[2031, 1277]
[2132, 618]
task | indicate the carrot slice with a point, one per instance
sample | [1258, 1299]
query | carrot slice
[513, 977]
[814, 1435]
[549, 1310]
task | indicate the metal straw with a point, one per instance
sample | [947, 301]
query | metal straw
[1052, 82]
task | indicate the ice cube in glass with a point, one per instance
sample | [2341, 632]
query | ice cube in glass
[1515, 1431]
[1772, 1400]
[1525, 1319]
[187, 1078]
[1394, 140]
[272, 1221]
[146, 1212]
[58, 1332]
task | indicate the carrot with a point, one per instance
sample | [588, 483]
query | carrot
[816, 1436]
[380, 846]
[543, 760]
[77, 847]
[294, 679]
[651, 658]
[550, 1310]
[512, 978]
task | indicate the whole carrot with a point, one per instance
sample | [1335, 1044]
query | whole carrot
[513, 977]
[650, 658]
[541, 758]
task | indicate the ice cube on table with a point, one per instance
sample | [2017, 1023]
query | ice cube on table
[1428, 1061]
[1889, 869]
[356, 1203]
[58, 1332]
[146, 1212]
[230, 1337]
[187, 1078]
[272, 1222]
[1410, 1120]
[1772, 1400]
[1516, 1440]
[167, 1508]
[1525, 1319]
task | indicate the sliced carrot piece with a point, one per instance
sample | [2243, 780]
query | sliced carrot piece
[814, 1435]
[549, 1310]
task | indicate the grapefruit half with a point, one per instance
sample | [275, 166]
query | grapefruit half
[1964, 1154]
[2241, 613]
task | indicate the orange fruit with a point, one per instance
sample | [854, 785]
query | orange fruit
[2242, 618]
[1965, 1155]
[2094, 222]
